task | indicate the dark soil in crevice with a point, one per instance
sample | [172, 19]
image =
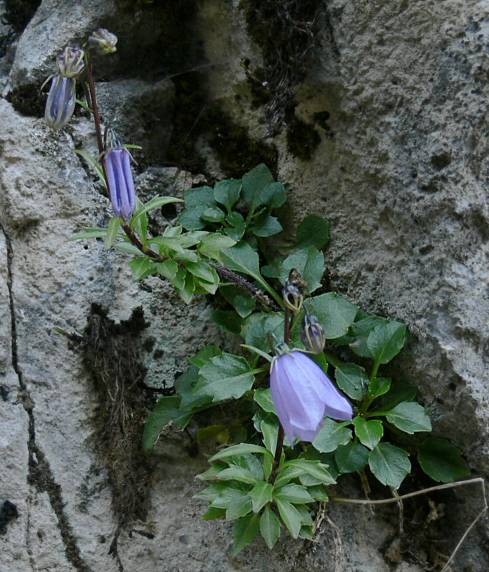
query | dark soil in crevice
[19, 12]
[111, 353]
[28, 100]
[8, 513]
[287, 34]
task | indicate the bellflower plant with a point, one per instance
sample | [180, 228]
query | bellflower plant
[303, 395]
[117, 162]
[61, 100]
[327, 395]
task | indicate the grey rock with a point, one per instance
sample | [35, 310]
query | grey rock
[56, 24]
[140, 112]
[400, 171]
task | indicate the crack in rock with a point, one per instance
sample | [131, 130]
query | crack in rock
[40, 474]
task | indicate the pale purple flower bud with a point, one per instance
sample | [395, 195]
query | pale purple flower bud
[71, 62]
[103, 41]
[61, 101]
[293, 297]
[121, 183]
[303, 395]
[313, 335]
[293, 291]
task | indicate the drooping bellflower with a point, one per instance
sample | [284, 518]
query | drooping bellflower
[303, 395]
[60, 104]
[117, 162]
[62, 93]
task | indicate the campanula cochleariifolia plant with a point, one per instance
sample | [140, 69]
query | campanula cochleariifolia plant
[60, 103]
[117, 163]
[321, 407]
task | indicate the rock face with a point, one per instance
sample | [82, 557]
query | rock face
[383, 131]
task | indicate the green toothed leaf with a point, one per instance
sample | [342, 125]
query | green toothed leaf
[245, 530]
[352, 457]
[261, 494]
[442, 461]
[369, 432]
[335, 313]
[331, 436]
[313, 231]
[389, 464]
[225, 377]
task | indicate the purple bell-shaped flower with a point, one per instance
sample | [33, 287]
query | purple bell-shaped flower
[117, 163]
[61, 101]
[62, 93]
[303, 395]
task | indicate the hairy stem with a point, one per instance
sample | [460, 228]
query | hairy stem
[245, 284]
[445, 486]
[133, 237]
[266, 286]
[95, 110]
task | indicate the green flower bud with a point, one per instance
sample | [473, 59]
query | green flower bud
[103, 41]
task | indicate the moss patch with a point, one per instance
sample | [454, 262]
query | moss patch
[190, 106]
[236, 150]
[8, 513]
[111, 355]
[19, 12]
[164, 41]
[302, 138]
[286, 33]
[195, 118]
[28, 100]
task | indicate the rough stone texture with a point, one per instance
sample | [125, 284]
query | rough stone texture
[408, 107]
[57, 23]
[139, 112]
[400, 170]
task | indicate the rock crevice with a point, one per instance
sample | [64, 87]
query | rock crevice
[40, 475]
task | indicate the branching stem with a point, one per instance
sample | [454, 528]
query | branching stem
[245, 284]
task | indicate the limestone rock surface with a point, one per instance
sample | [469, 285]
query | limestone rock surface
[392, 110]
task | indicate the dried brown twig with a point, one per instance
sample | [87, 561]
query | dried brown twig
[399, 498]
